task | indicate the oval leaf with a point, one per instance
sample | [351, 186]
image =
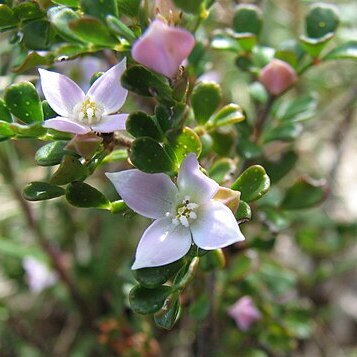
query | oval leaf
[39, 191]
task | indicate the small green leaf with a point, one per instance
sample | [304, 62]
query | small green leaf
[154, 277]
[274, 218]
[28, 10]
[221, 41]
[253, 183]
[167, 317]
[61, 17]
[70, 3]
[244, 212]
[48, 112]
[314, 46]
[222, 170]
[148, 301]
[347, 50]
[118, 207]
[37, 35]
[142, 81]
[304, 193]
[70, 170]
[140, 124]
[190, 6]
[119, 28]
[205, 99]
[248, 149]
[5, 114]
[284, 132]
[35, 130]
[23, 101]
[248, 19]
[115, 156]
[6, 131]
[80, 194]
[8, 19]
[229, 114]
[91, 30]
[129, 8]
[222, 142]
[32, 60]
[321, 20]
[149, 156]
[39, 191]
[51, 154]
[100, 8]
[186, 142]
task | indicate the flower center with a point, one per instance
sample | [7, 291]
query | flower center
[185, 212]
[88, 112]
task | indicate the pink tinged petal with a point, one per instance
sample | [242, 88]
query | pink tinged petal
[193, 182]
[244, 312]
[215, 227]
[66, 125]
[110, 123]
[161, 244]
[61, 92]
[277, 76]
[151, 195]
[162, 48]
[107, 89]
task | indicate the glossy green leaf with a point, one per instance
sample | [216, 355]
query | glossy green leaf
[156, 276]
[253, 183]
[6, 131]
[148, 301]
[69, 170]
[23, 101]
[81, 194]
[37, 35]
[314, 46]
[190, 6]
[149, 156]
[116, 155]
[246, 41]
[222, 170]
[167, 317]
[140, 124]
[274, 218]
[222, 142]
[100, 8]
[8, 20]
[258, 92]
[28, 10]
[35, 130]
[51, 154]
[284, 132]
[205, 99]
[142, 81]
[5, 114]
[321, 20]
[277, 169]
[229, 114]
[91, 30]
[129, 8]
[32, 60]
[222, 41]
[118, 207]
[39, 191]
[248, 149]
[70, 3]
[119, 28]
[248, 19]
[186, 142]
[304, 193]
[48, 112]
[244, 212]
[61, 17]
[347, 50]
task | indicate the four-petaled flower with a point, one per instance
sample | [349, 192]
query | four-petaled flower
[162, 48]
[244, 312]
[82, 113]
[182, 213]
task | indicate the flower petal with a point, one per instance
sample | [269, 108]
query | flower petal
[107, 89]
[110, 123]
[215, 227]
[162, 48]
[66, 125]
[161, 244]
[151, 195]
[61, 93]
[193, 182]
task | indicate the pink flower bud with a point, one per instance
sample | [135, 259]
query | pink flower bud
[277, 76]
[244, 312]
[162, 48]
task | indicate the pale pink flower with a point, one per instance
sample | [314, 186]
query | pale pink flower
[82, 113]
[277, 76]
[244, 312]
[163, 48]
[184, 213]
